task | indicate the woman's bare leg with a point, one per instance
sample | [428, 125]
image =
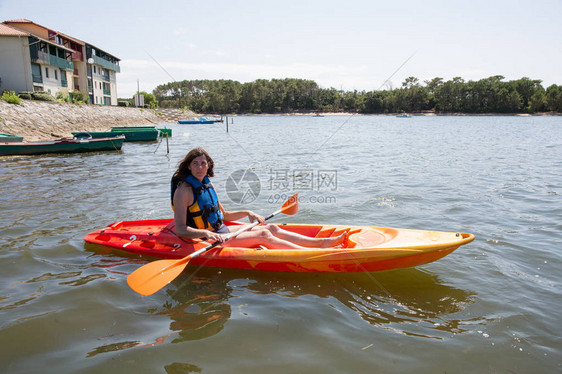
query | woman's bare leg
[256, 238]
[273, 236]
[303, 240]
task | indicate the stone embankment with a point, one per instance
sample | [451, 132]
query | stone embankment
[37, 120]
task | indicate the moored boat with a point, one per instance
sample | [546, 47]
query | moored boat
[163, 130]
[196, 121]
[146, 135]
[8, 138]
[62, 146]
[367, 248]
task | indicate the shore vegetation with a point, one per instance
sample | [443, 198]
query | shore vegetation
[488, 95]
[11, 97]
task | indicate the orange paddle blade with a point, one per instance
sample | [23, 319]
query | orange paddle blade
[151, 277]
[291, 206]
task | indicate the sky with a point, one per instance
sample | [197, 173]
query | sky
[345, 44]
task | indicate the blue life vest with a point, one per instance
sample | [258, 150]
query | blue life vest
[204, 213]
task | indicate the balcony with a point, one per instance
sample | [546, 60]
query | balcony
[77, 56]
[106, 64]
[38, 56]
[61, 63]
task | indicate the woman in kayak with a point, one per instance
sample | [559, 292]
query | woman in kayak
[199, 214]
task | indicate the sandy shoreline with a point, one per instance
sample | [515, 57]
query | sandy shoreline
[46, 121]
[412, 114]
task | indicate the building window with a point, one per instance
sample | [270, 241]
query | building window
[56, 75]
[46, 72]
[36, 73]
[63, 80]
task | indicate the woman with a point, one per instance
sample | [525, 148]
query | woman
[199, 214]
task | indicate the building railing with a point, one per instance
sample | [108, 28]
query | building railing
[61, 63]
[64, 83]
[106, 92]
[105, 77]
[37, 78]
[38, 56]
[106, 64]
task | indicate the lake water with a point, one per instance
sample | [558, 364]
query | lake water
[492, 306]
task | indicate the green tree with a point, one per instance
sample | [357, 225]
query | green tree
[526, 88]
[554, 98]
[373, 102]
[149, 99]
[488, 95]
[537, 102]
[451, 96]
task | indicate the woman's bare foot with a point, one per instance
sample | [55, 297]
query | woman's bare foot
[334, 241]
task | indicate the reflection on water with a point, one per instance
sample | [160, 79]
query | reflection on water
[180, 368]
[197, 306]
[199, 313]
[410, 301]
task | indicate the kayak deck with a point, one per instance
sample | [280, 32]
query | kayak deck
[367, 248]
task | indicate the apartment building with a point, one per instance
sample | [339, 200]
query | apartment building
[37, 58]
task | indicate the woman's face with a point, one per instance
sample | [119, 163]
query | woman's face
[199, 167]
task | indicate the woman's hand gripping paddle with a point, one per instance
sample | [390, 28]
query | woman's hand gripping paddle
[153, 276]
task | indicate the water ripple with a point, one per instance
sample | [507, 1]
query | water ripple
[492, 305]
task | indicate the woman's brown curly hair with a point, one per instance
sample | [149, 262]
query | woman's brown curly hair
[183, 167]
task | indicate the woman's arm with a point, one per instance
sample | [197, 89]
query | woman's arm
[238, 214]
[183, 198]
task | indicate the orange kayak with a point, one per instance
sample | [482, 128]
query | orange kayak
[367, 248]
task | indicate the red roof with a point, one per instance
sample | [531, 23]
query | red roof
[18, 21]
[6, 30]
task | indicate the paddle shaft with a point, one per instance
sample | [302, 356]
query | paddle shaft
[228, 237]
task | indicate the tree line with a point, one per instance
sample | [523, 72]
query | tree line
[488, 95]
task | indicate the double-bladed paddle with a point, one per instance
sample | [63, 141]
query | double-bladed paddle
[153, 276]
